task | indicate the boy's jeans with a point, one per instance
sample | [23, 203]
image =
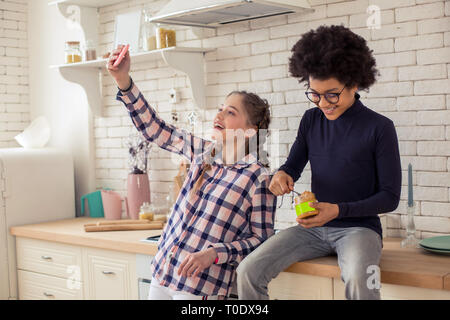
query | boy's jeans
[358, 250]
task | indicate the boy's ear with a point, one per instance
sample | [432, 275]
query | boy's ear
[354, 89]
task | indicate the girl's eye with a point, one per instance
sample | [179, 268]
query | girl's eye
[231, 113]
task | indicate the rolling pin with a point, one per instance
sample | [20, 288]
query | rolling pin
[113, 222]
[124, 227]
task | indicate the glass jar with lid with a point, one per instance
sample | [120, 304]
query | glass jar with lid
[165, 38]
[148, 32]
[72, 52]
[89, 51]
[146, 212]
[159, 206]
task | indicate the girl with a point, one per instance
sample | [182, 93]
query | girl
[224, 209]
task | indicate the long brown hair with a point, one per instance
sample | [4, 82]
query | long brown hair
[258, 112]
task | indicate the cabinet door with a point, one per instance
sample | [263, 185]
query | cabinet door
[293, 286]
[36, 286]
[397, 292]
[110, 275]
[51, 258]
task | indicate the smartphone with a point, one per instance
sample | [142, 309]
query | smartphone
[121, 55]
[152, 239]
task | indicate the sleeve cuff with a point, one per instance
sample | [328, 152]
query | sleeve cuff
[343, 208]
[289, 172]
[130, 97]
[222, 252]
[127, 89]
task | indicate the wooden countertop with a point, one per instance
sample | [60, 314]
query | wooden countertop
[401, 266]
[71, 231]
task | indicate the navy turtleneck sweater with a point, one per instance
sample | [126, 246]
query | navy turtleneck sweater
[355, 163]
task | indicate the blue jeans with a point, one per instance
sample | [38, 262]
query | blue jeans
[358, 250]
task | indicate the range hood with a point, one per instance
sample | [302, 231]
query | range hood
[214, 13]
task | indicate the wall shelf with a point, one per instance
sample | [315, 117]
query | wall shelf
[136, 57]
[86, 3]
[88, 74]
[187, 60]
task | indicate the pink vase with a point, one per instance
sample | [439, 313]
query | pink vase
[138, 192]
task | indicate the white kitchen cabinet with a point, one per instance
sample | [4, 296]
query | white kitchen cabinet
[51, 270]
[110, 275]
[36, 286]
[294, 286]
[397, 292]
[51, 258]
[48, 270]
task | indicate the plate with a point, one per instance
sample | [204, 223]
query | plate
[433, 248]
[446, 252]
[439, 243]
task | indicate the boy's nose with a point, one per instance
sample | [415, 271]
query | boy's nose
[323, 103]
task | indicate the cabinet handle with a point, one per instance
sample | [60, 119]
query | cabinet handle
[108, 272]
[46, 257]
[48, 294]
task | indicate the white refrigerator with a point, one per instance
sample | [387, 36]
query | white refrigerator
[36, 185]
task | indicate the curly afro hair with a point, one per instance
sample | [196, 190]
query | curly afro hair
[334, 52]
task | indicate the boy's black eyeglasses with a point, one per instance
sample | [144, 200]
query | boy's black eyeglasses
[330, 97]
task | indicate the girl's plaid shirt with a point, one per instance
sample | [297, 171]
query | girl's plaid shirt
[233, 211]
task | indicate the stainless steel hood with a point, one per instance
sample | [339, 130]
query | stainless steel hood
[214, 13]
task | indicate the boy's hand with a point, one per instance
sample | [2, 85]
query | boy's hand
[281, 183]
[121, 72]
[327, 212]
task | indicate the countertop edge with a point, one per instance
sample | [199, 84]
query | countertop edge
[388, 277]
[115, 245]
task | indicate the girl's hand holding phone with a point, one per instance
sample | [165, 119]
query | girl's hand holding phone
[120, 72]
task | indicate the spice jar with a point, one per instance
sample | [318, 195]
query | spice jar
[89, 51]
[72, 52]
[165, 38]
[146, 212]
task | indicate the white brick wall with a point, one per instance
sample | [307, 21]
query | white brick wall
[412, 50]
[14, 108]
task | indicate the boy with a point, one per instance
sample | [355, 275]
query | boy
[355, 164]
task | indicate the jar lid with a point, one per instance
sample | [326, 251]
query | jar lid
[73, 42]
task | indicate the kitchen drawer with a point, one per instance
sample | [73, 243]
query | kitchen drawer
[35, 286]
[397, 292]
[51, 258]
[294, 286]
[111, 275]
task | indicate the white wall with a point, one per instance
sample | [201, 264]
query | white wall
[14, 89]
[63, 103]
[412, 50]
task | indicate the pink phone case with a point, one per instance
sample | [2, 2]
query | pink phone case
[121, 55]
